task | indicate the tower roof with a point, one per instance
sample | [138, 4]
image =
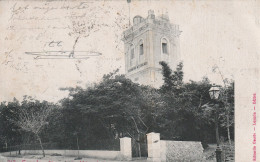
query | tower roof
[138, 19]
[151, 22]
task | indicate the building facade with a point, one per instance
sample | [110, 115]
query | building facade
[147, 42]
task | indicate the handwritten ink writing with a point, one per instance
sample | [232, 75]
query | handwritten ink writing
[55, 43]
[63, 54]
[17, 10]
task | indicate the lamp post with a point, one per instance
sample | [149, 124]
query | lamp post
[214, 94]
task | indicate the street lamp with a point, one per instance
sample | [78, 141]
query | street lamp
[214, 92]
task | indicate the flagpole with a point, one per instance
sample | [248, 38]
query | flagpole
[129, 1]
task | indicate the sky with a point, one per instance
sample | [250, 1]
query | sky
[216, 33]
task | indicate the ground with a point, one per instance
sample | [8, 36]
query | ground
[209, 154]
[71, 159]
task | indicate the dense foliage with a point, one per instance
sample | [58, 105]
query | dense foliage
[97, 116]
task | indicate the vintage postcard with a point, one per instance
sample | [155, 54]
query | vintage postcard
[129, 80]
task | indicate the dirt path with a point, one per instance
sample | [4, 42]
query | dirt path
[48, 158]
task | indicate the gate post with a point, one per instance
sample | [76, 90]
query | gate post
[126, 148]
[154, 147]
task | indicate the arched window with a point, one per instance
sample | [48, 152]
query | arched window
[165, 48]
[141, 47]
[132, 55]
[141, 52]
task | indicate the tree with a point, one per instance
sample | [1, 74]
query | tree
[172, 80]
[227, 112]
[195, 95]
[32, 117]
[119, 106]
[175, 102]
[227, 97]
[223, 109]
[183, 112]
[9, 132]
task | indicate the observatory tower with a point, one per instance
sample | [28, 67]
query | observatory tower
[149, 41]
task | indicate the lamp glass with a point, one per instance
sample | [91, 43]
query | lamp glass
[214, 92]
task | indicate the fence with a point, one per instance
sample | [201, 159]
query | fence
[158, 150]
[124, 153]
[32, 146]
[107, 144]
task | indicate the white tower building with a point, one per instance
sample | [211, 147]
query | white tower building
[149, 41]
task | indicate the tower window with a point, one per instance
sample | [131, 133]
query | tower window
[132, 56]
[164, 46]
[141, 49]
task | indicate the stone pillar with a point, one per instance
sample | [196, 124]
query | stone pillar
[154, 147]
[126, 148]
